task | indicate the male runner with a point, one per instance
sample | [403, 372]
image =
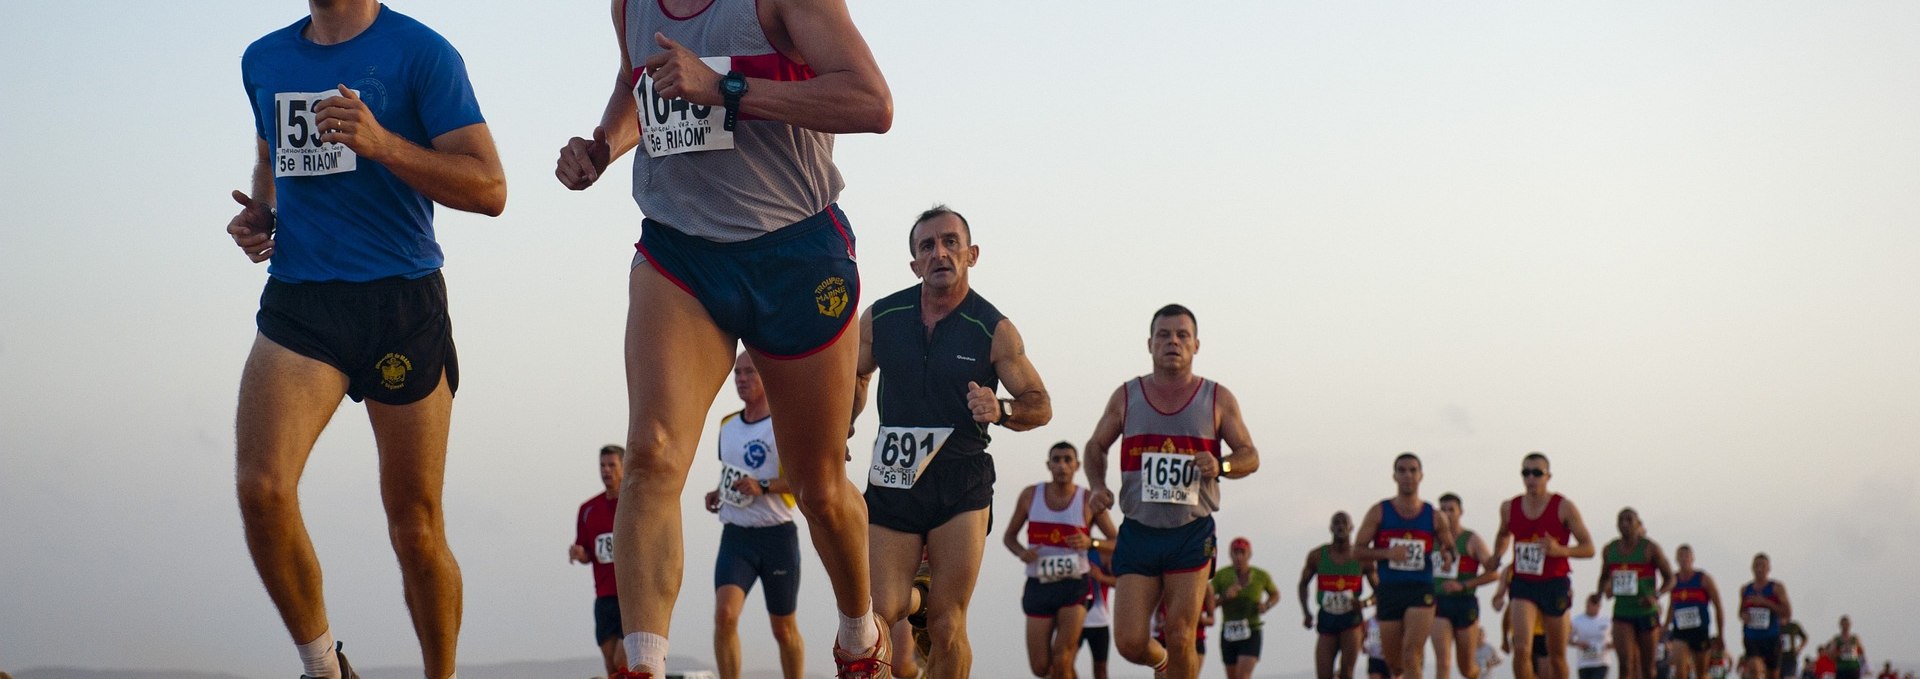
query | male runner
[593, 544]
[1848, 654]
[742, 241]
[941, 350]
[364, 119]
[1763, 605]
[758, 540]
[1456, 610]
[1401, 533]
[1688, 617]
[1058, 522]
[1097, 632]
[1628, 566]
[1793, 639]
[1245, 592]
[1337, 575]
[1545, 530]
[1592, 635]
[1170, 467]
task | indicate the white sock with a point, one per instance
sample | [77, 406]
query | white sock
[646, 652]
[858, 634]
[318, 658]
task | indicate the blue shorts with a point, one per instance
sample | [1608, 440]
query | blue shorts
[787, 294]
[770, 555]
[1144, 550]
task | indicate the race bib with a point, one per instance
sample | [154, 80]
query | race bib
[1530, 558]
[900, 454]
[1060, 567]
[1337, 603]
[1625, 582]
[1416, 557]
[728, 475]
[1590, 655]
[1686, 618]
[1759, 618]
[298, 150]
[674, 126]
[1236, 630]
[603, 548]
[1445, 568]
[1849, 653]
[1169, 478]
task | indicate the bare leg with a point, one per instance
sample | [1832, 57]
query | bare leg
[1467, 643]
[953, 553]
[1350, 642]
[1325, 647]
[1040, 646]
[285, 401]
[793, 649]
[1185, 594]
[1066, 640]
[1521, 613]
[1442, 636]
[1415, 627]
[904, 664]
[727, 602]
[676, 361]
[1134, 598]
[413, 460]
[614, 655]
[1557, 633]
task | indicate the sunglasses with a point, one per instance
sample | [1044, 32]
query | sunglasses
[1533, 472]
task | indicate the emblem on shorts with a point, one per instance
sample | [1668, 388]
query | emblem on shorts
[393, 370]
[831, 296]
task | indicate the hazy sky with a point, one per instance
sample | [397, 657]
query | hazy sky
[1674, 245]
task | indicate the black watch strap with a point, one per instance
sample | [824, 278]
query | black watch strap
[732, 87]
[1006, 412]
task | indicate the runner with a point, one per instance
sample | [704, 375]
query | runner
[1628, 567]
[593, 544]
[758, 540]
[1376, 654]
[1170, 468]
[1848, 654]
[1545, 530]
[1337, 576]
[1456, 619]
[941, 350]
[1793, 639]
[1763, 605]
[742, 241]
[1058, 580]
[1401, 533]
[364, 118]
[1096, 632]
[1244, 593]
[1688, 617]
[1592, 637]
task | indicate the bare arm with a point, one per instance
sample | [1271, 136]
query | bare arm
[1665, 569]
[847, 93]
[1602, 587]
[1582, 547]
[1307, 573]
[1031, 406]
[583, 159]
[1784, 607]
[460, 169]
[1245, 458]
[1502, 538]
[1104, 523]
[1363, 548]
[1014, 523]
[1105, 432]
[1272, 598]
[1489, 570]
[863, 374]
[1719, 615]
[252, 229]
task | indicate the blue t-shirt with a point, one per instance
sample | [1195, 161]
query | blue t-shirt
[344, 218]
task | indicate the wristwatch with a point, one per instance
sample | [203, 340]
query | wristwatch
[765, 485]
[1006, 412]
[732, 87]
[1226, 467]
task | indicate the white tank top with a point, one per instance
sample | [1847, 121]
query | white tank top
[1047, 532]
[747, 450]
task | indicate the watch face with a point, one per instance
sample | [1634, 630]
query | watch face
[734, 85]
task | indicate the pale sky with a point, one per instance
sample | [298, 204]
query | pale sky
[1674, 245]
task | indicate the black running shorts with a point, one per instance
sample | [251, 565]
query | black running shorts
[391, 337]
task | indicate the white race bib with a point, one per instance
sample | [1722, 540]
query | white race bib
[1337, 603]
[672, 126]
[298, 151]
[1849, 653]
[603, 548]
[1060, 567]
[1590, 655]
[1759, 618]
[1625, 582]
[1236, 630]
[900, 454]
[1530, 558]
[728, 475]
[1169, 478]
[1445, 568]
[1416, 558]
[1686, 618]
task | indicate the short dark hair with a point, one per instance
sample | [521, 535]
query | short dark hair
[1063, 444]
[1593, 599]
[1173, 310]
[1450, 497]
[613, 449]
[1537, 455]
[1409, 456]
[935, 211]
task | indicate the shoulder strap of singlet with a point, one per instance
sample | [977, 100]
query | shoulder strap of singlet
[719, 447]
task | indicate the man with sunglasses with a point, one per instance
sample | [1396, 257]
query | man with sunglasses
[1545, 530]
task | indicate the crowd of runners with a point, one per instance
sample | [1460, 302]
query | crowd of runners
[365, 120]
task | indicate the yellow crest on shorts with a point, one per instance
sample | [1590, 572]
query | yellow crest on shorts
[393, 370]
[831, 296]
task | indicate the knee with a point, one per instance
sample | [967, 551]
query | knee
[727, 618]
[414, 525]
[262, 494]
[652, 475]
[947, 628]
[820, 498]
[786, 631]
[1133, 649]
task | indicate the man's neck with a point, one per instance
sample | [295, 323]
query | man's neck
[1060, 487]
[938, 303]
[338, 21]
[756, 411]
[613, 492]
[1171, 378]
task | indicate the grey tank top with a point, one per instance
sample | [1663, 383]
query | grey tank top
[775, 174]
[1158, 484]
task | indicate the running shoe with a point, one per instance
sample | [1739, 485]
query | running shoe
[870, 664]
